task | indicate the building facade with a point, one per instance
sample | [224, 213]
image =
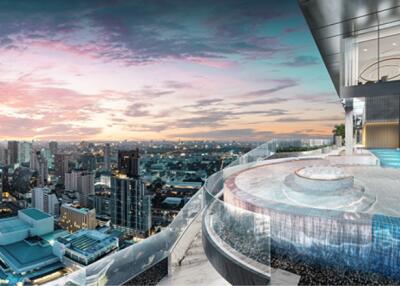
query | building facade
[73, 218]
[128, 163]
[359, 42]
[130, 205]
[12, 147]
[107, 154]
[39, 164]
[46, 200]
[24, 152]
[81, 181]
[61, 165]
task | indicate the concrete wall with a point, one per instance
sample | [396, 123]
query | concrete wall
[14, 236]
[38, 227]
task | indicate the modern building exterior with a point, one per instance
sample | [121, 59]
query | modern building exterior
[81, 181]
[130, 205]
[24, 152]
[39, 163]
[101, 201]
[46, 200]
[29, 222]
[53, 146]
[85, 246]
[12, 147]
[107, 154]
[61, 165]
[128, 163]
[359, 41]
[73, 218]
[3, 155]
[87, 162]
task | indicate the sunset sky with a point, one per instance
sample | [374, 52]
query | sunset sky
[140, 70]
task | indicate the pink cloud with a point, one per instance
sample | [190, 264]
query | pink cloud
[212, 62]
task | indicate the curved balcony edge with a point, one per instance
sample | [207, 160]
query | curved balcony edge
[233, 269]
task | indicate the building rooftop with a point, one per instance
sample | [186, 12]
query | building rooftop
[87, 242]
[12, 224]
[35, 213]
[76, 208]
[23, 256]
[172, 201]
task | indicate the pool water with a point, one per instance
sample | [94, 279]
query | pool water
[388, 157]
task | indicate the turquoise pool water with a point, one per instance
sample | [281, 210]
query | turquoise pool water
[388, 157]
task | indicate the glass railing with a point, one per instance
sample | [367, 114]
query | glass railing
[244, 235]
[122, 266]
[229, 224]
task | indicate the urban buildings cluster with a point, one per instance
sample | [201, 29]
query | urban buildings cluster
[68, 204]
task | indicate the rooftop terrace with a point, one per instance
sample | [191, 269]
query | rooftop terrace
[22, 256]
[35, 213]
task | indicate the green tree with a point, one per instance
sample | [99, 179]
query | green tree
[339, 130]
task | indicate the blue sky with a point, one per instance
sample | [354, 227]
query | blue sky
[236, 70]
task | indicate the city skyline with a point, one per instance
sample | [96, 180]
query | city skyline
[167, 71]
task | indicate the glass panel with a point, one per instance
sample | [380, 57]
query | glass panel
[368, 58]
[389, 52]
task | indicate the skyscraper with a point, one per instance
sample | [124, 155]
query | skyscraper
[130, 204]
[12, 152]
[53, 146]
[45, 200]
[61, 162]
[87, 162]
[128, 163]
[24, 152]
[3, 155]
[39, 163]
[81, 181]
[107, 151]
[1, 184]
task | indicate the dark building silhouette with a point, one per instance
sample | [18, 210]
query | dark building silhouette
[12, 147]
[130, 205]
[128, 163]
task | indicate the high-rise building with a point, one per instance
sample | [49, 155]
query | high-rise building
[12, 147]
[101, 202]
[24, 152]
[61, 165]
[46, 153]
[3, 155]
[88, 162]
[107, 151]
[45, 200]
[81, 181]
[73, 218]
[1, 184]
[53, 146]
[130, 205]
[39, 164]
[128, 163]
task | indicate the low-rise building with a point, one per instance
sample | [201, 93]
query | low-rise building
[29, 222]
[73, 217]
[85, 246]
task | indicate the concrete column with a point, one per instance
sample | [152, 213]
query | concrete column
[349, 130]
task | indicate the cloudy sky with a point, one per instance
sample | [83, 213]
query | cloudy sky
[112, 70]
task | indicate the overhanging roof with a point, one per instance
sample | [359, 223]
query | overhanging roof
[332, 20]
